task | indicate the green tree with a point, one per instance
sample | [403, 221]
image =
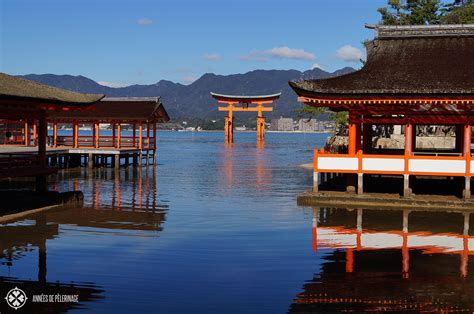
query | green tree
[458, 12]
[410, 12]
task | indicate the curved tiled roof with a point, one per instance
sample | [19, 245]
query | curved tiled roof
[18, 88]
[434, 61]
[119, 108]
[245, 99]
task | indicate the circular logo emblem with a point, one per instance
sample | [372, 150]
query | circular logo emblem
[16, 298]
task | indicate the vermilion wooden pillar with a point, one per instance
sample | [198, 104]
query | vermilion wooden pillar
[26, 134]
[55, 133]
[118, 135]
[408, 153]
[467, 154]
[75, 134]
[408, 139]
[140, 135]
[352, 148]
[96, 135]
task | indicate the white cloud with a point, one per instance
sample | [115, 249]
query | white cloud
[316, 66]
[112, 84]
[349, 53]
[290, 53]
[188, 79]
[278, 53]
[212, 56]
[145, 21]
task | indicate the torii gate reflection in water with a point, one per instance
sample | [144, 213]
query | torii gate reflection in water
[232, 100]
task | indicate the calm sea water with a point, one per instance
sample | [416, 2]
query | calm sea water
[215, 228]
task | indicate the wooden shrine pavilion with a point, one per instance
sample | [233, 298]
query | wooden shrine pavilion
[249, 104]
[413, 76]
[138, 115]
[25, 101]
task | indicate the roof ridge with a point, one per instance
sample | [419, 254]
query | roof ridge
[410, 31]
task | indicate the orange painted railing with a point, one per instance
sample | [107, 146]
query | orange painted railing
[85, 141]
[410, 164]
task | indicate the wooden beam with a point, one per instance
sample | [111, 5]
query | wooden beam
[249, 109]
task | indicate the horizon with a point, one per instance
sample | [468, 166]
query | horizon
[125, 42]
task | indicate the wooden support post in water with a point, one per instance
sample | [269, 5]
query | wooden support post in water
[90, 160]
[117, 161]
[466, 224]
[360, 183]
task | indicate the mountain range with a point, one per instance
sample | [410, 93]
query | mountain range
[193, 101]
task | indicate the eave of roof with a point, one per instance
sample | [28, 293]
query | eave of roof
[406, 61]
[12, 87]
[243, 98]
[119, 109]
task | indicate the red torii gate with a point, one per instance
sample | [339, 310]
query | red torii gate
[232, 100]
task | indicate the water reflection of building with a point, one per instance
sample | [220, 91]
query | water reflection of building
[19, 240]
[115, 200]
[130, 188]
[396, 261]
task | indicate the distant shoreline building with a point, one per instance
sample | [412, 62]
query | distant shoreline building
[282, 124]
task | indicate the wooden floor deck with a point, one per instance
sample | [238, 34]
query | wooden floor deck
[66, 157]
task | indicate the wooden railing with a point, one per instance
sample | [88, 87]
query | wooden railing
[84, 141]
[430, 165]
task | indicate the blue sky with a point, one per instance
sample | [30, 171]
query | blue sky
[123, 42]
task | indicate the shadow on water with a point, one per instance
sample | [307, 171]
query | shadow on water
[110, 206]
[20, 240]
[379, 260]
